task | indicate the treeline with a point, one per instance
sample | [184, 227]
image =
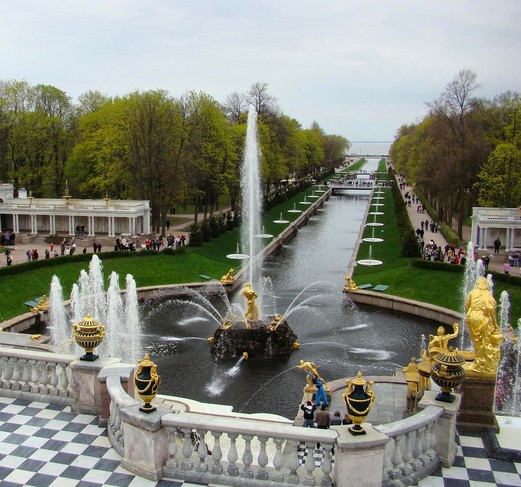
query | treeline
[173, 151]
[466, 151]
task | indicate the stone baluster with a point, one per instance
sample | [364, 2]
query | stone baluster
[293, 462]
[232, 470]
[262, 460]
[423, 448]
[26, 376]
[173, 448]
[202, 452]
[217, 453]
[388, 465]
[247, 457]
[309, 464]
[3, 371]
[396, 458]
[326, 466]
[53, 380]
[187, 450]
[35, 386]
[431, 451]
[44, 377]
[118, 420]
[416, 450]
[64, 380]
[17, 374]
[406, 455]
[277, 475]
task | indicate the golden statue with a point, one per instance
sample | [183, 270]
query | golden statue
[440, 342]
[252, 312]
[480, 308]
[350, 284]
[43, 305]
[228, 278]
[311, 372]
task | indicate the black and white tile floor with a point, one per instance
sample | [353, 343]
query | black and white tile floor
[46, 445]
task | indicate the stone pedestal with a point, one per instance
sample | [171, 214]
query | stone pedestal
[359, 459]
[445, 430]
[477, 405]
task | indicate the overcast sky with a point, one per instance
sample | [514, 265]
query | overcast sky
[359, 68]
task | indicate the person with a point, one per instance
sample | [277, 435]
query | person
[47, 254]
[506, 267]
[347, 419]
[320, 396]
[309, 414]
[497, 245]
[323, 418]
[336, 419]
[167, 225]
[480, 309]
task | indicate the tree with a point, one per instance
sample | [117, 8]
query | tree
[455, 108]
[264, 103]
[235, 106]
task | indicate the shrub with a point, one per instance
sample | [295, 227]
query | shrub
[195, 237]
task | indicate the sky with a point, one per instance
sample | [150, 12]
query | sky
[360, 69]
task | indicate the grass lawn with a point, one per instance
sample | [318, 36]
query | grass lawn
[438, 287]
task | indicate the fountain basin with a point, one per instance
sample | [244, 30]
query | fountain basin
[258, 340]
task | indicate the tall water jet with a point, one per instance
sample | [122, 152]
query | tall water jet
[120, 316]
[251, 200]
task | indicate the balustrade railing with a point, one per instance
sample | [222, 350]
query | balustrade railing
[237, 451]
[411, 453]
[34, 375]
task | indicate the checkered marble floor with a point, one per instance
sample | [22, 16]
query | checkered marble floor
[46, 445]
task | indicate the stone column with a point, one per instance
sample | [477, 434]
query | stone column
[125, 372]
[359, 460]
[85, 385]
[445, 430]
[146, 442]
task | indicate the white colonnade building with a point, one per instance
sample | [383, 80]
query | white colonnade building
[491, 223]
[63, 216]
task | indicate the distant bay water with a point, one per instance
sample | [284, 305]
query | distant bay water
[370, 147]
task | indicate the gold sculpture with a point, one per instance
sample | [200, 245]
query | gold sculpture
[228, 278]
[275, 321]
[350, 284]
[311, 372]
[252, 311]
[439, 343]
[43, 305]
[480, 308]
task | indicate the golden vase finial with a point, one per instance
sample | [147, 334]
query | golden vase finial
[88, 335]
[147, 382]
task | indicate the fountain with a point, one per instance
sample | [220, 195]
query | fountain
[116, 310]
[281, 220]
[294, 210]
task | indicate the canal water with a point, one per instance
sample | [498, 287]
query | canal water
[334, 334]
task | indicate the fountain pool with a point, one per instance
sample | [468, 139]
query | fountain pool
[333, 333]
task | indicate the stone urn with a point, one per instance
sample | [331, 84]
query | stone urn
[88, 335]
[448, 373]
[359, 399]
[146, 381]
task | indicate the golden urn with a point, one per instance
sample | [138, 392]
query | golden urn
[88, 335]
[359, 400]
[448, 373]
[146, 381]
